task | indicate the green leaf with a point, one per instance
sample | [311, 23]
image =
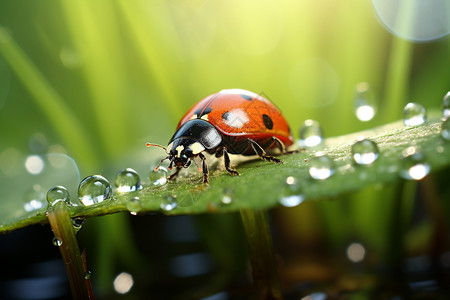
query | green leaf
[261, 184]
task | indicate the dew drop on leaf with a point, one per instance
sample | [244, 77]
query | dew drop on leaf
[414, 114]
[57, 194]
[311, 134]
[321, 166]
[291, 195]
[168, 203]
[134, 205]
[127, 180]
[94, 189]
[413, 164]
[365, 152]
[159, 177]
[364, 102]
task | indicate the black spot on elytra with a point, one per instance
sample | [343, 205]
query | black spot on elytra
[267, 121]
[225, 115]
[247, 97]
[201, 112]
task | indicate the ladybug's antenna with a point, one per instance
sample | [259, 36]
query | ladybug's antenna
[156, 145]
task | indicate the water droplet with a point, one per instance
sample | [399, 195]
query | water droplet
[57, 241]
[365, 108]
[134, 205]
[413, 164]
[414, 114]
[321, 166]
[445, 129]
[168, 203]
[77, 223]
[227, 196]
[446, 106]
[127, 180]
[311, 134]
[57, 194]
[94, 189]
[34, 198]
[159, 177]
[365, 152]
[291, 195]
[87, 275]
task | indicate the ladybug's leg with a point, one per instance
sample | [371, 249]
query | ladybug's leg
[227, 162]
[174, 175]
[205, 168]
[280, 144]
[261, 153]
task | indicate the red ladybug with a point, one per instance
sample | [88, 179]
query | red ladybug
[231, 121]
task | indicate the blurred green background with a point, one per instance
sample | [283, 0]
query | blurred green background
[95, 80]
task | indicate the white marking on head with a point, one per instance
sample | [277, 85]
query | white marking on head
[194, 116]
[196, 148]
[204, 117]
[179, 149]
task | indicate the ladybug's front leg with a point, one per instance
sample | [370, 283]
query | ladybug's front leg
[205, 168]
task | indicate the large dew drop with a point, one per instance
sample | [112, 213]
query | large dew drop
[414, 114]
[413, 164]
[364, 102]
[57, 194]
[311, 134]
[446, 106]
[94, 189]
[365, 152]
[127, 180]
[321, 166]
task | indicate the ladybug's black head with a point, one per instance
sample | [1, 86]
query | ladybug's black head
[182, 150]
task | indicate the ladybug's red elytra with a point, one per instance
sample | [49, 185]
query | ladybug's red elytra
[231, 121]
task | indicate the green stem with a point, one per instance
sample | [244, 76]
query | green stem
[62, 227]
[262, 258]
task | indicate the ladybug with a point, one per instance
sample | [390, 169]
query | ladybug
[232, 121]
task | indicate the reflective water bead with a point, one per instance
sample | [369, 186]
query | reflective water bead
[413, 164]
[77, 223]
[94, 189]
[168, 203]
[365, 152]
[321, 166]
[364, 102]
[56, 241]
[134, 205]
[414, 114]
[57, 194]
[127, 180]
[445, 129]
[159, 177]
[311, 134]
[446, 106]
[227, 196]
[291, 195]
